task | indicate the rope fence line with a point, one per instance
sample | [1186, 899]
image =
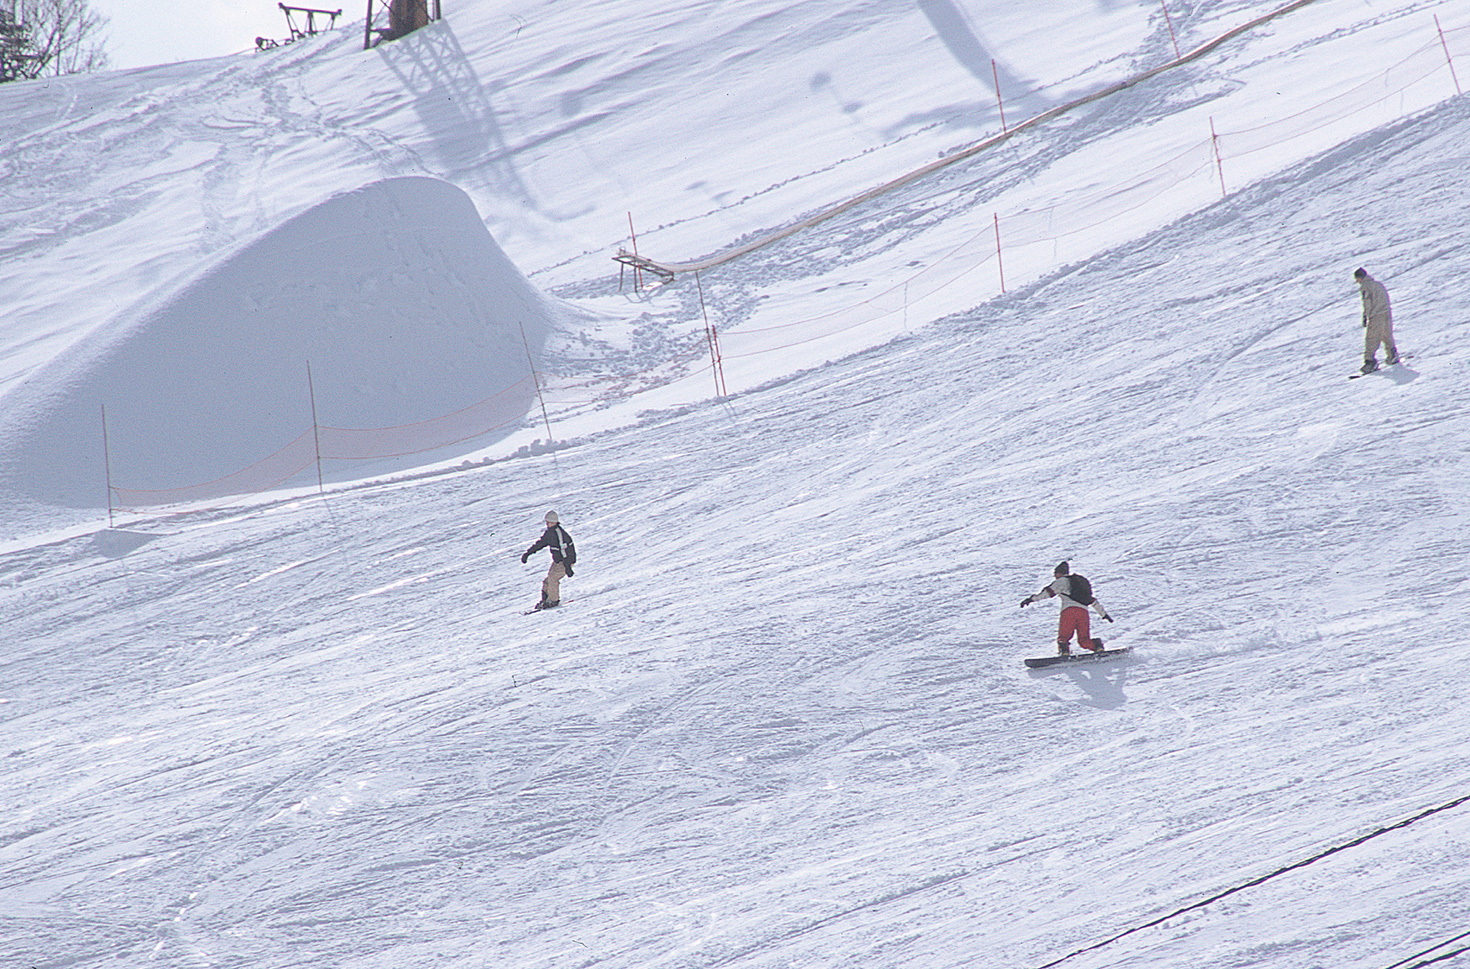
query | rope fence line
[481, 417]
[879, 313]
[1095, 209]
[969, 152]
[576, 382]
[321, 442]
[1076, 214]
[901, 284]
[678, 360]
[1334, 109]
[1034, 226]
[269, 472]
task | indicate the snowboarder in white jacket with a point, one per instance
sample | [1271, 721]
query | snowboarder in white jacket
[563, 557]
[1074, 618]
[1377, 322]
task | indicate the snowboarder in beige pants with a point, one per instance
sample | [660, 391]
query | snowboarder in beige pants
[563, 557]
[1377, 322]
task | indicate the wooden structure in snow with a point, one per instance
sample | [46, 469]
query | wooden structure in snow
[391, 19]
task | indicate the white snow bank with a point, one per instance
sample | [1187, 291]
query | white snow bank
[396, 296]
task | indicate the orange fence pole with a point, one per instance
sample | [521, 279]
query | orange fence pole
[1455, 77]
[1170, 23]
[1219, 165]
[995, 72]
[998, 264]
[715, 367]
[316, 434]
[637, 273]
[107, 465]
[537, 380]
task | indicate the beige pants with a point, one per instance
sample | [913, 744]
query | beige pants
[551, 585]
[1379, 333]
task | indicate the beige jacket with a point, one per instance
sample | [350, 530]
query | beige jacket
[1375, 302]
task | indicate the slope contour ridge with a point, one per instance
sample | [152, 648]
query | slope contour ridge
[394, 294]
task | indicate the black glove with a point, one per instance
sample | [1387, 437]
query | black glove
[569, 571]
[1025, 602]
[1108, 618]
[525, 557]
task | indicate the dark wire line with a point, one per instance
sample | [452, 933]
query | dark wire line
[1262, 879]
[1405, 962]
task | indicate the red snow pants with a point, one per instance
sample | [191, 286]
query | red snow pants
[1075, 620]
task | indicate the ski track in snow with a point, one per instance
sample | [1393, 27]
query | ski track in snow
[782, 720]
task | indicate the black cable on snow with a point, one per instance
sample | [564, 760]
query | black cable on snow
[1405, 963]
[1440, 958]
[1275, 874]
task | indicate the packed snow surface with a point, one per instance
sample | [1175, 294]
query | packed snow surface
[395, 290]
[781, 718]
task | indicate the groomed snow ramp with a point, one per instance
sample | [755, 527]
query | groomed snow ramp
[394, 295]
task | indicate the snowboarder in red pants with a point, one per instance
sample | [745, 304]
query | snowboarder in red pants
[1076, 595]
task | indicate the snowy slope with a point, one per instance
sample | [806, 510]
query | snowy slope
[395, 290]
[123, 190]
[782, 718]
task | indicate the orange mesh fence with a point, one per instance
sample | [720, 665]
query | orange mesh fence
[476, 420]
[603, 389]
[959, 262]
[1419, 72]
[265, 474]
[1094, 208]
[1425, 63]
[346, 444]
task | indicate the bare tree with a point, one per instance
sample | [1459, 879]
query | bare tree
[49, 37]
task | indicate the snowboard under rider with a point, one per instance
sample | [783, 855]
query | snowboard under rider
[1377, 322]
[563, 557]
[1074, 617]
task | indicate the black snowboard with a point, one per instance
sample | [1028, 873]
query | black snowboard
[1084, 657]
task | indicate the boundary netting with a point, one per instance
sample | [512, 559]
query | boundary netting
[1418, 81]
[320, 443]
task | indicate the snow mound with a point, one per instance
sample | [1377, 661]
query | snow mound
[395, 298]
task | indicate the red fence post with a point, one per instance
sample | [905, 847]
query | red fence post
[1447, 56]
[107, 464]
[714, 336]
[715, 367]
[537, 381]
[995, 72]
[316, 434]
[1170, 23]
[1219, 165]
[637, 273]
[998, 264]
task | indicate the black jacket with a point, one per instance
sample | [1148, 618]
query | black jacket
[560, 543]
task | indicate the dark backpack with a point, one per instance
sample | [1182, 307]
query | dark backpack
[1081, 590]
[568, 548]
